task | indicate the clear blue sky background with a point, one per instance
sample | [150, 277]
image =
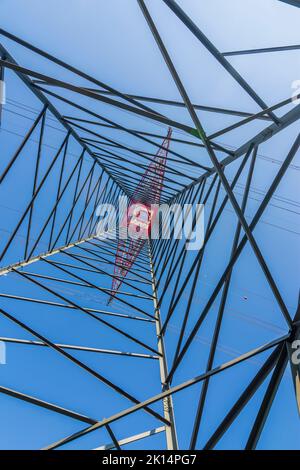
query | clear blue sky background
[111, 41]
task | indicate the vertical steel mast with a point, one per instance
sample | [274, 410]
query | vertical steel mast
[139, 215]
[171, 434]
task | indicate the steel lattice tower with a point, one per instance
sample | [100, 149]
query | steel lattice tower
[55, 271]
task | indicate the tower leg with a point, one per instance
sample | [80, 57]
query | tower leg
[171, 435]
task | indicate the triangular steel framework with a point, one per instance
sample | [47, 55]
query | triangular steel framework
[163, 278]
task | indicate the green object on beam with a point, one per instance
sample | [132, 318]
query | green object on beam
[198, 134]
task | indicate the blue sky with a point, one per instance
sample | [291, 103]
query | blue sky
[111, 41]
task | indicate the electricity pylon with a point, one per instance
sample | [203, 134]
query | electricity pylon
[139, 216]
[57, 275]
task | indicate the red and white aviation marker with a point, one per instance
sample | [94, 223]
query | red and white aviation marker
[140, 215]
